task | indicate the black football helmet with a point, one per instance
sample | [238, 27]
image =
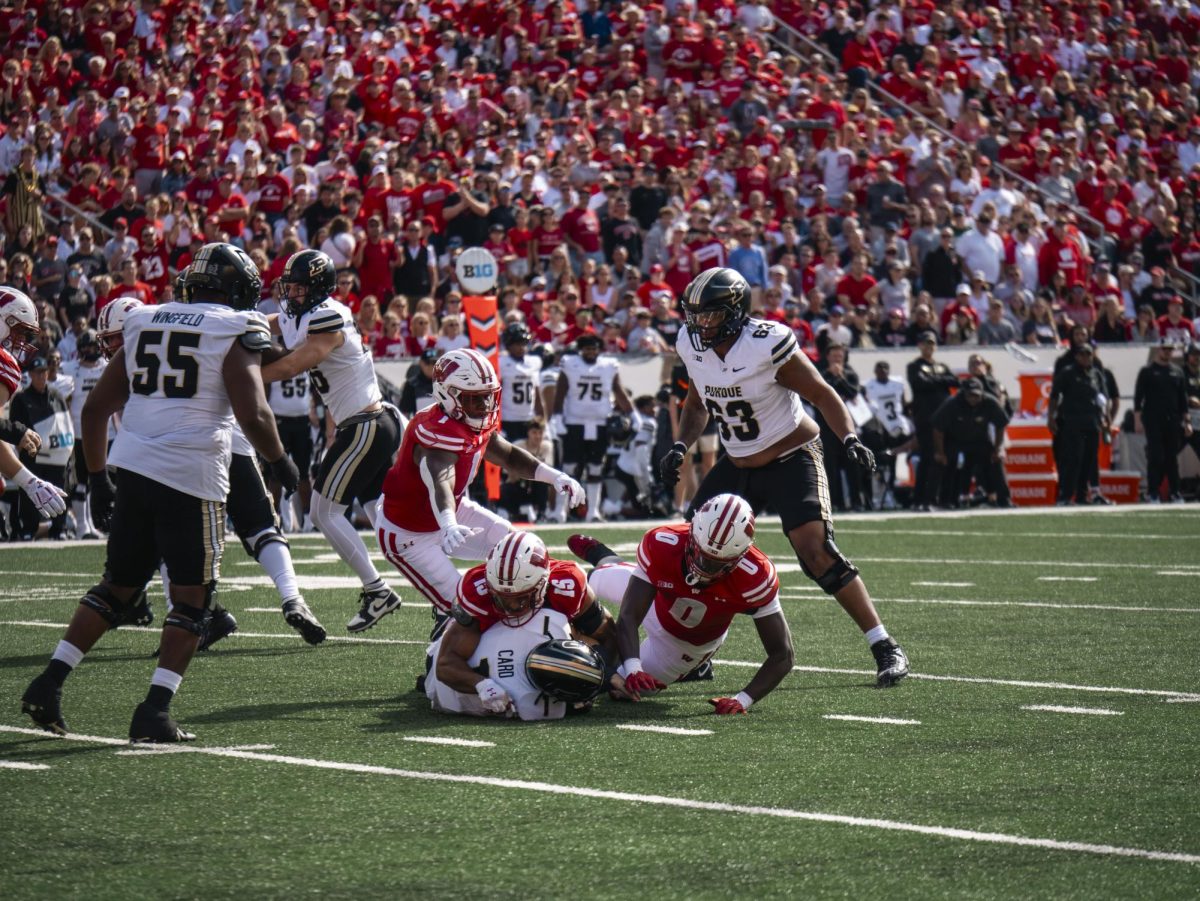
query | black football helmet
[308, 279]
[224, 274]
[515, 333]
[715, 306]
[567, 670]
[620, 428]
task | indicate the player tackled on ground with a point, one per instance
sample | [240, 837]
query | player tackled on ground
[749, 375]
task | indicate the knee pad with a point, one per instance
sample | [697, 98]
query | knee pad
[190, 619]
[255, 543]
[101, 599]
[840, 574]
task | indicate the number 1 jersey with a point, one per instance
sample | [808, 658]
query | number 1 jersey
[177, 424]
[751, 409]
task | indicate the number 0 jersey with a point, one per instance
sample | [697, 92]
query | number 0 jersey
[177, 425]
[589, 389]
[751, 409]
[518, 381]
[346, 378]
[699, 615]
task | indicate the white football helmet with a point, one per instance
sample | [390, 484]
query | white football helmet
[18, 322]
[111, 324]
[466, 387]
[517, 571]
[721, 534]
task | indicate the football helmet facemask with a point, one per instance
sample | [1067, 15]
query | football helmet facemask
[722, 532]
[224, 271]
[19, 326]
[716, 304]
[308, 279]
[466, 387]
[515, 333]
[517, 570]
[112, 325]
[567, 670]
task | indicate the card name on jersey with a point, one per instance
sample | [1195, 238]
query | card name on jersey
[166, 316]
[506, 666]
[719, 391]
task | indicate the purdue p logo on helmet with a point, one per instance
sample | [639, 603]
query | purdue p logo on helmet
[567, 670]
[308, 279]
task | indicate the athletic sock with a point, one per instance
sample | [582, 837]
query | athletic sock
[879, 633]
[163, 685]
[594, 490]
[340, 534]
[372, 587]
[64, 659]
[599, 554]
[276, 560]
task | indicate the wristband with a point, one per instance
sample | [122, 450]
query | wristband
[744, 699]
[545, 473]
[629, 667]
[851, 437]
[679, 446]
[445, 519]
[21, 477]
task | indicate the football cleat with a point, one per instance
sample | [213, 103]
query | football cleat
[702, 673]
[43, 702]
[152, 725]
[300, 618]
[891, 663]
[582, 545]
[220, 625]
[375, 606]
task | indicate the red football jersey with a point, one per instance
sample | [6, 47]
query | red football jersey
[694, 614]
[10, 372]
[406, 499]
[567, 592]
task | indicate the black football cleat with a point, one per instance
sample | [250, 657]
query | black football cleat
[300, 618]
[153, 725]
[43, 702]
[702, 673]
[890, 661]
[220, 625]
[375, 606]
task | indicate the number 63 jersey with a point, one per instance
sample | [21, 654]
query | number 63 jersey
[751, 409]
[177, 425]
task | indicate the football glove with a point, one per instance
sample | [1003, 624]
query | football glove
[101, 494]
[495, 699]
[284, 471]
[859, 454]
[572, 489]
[668, 466]
[723, 706]
[641, 681]
[49, 499]
[455, 536]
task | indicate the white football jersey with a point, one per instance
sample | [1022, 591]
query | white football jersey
[85, 378]
[589, 389]
[518, 381]
[289, 397]
[346, 378]
[177, 424]
[751, 409]
[503, 649]
[887, 403]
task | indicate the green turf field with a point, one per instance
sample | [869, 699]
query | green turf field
[306, 781]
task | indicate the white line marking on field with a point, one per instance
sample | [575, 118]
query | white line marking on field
[260, 610]
[954, 533]
[1055, 708]
[1195, 700]
[458, 742]
[1179, 572]
[956, 561]
[979, 680]
[945, 584]
[353, 639]
[1067, 579]
[21, 765]
[886, 720]
[997, 838]
[146, 749]
[665, 730]
[969, 602]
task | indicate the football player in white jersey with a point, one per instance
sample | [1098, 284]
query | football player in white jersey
[588, 386]
[321, 339]
[885, 394]
[291, 402]
[749, 375]
[85, 372]
[187, 371]
[520, 383]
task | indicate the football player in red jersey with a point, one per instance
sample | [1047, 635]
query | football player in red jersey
[505, 608]
[427, 518]
[685, 589]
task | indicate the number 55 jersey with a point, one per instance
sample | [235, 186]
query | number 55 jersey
[177, 425]
[751, 409]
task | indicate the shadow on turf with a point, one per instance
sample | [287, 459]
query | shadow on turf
[279, 711]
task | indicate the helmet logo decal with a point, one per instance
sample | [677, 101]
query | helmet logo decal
[316, 266]
[444, 368]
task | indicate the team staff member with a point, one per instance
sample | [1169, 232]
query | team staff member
[930, 381]
[970, 426]
[417, 392]
[1191, 377]
[47, 414]
[1160, 398]
[1078, 408]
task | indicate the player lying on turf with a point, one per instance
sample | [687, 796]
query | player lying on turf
[491, 661]
[685, 589]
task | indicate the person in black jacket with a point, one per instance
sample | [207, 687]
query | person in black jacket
[1078, 407]
[1191, 378]
[942, 270]
[844, 380]
[417, 392]
[930, 382]
[968, 435]
[1160, 397]
[1081, 334]
[48, 415]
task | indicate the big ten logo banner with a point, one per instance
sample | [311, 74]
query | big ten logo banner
[483, 329]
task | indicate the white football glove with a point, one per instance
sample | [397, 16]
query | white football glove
[49, 499]
[495, 699]
[455, 536]
[572, 489]
[558, 428]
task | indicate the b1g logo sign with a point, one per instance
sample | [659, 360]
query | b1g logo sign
[476, 270]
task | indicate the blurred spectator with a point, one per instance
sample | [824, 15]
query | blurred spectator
[968, 434]
[417, 393]
[930, 382]
[1076, 414]
[997, 328]
[1160, 400]
[46, 412]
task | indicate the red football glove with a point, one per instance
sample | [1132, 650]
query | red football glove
[639, 682]
[723, 706]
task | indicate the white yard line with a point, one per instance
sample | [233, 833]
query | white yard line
[971, 602]
[958, 561]
[457, 742]
[22, 765]
[665, 730]
[996, 838]
[885, 720]
[953, 533]
[1179, 572]
[1192, 700]
[1067, 579]
[354, 639]
[1055, 708]
[944, 584]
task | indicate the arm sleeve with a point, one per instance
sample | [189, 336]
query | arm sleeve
[11, 432]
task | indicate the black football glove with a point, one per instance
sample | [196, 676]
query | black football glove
[668, 466]
[859, 453]
[101, 496]
[284, 472]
